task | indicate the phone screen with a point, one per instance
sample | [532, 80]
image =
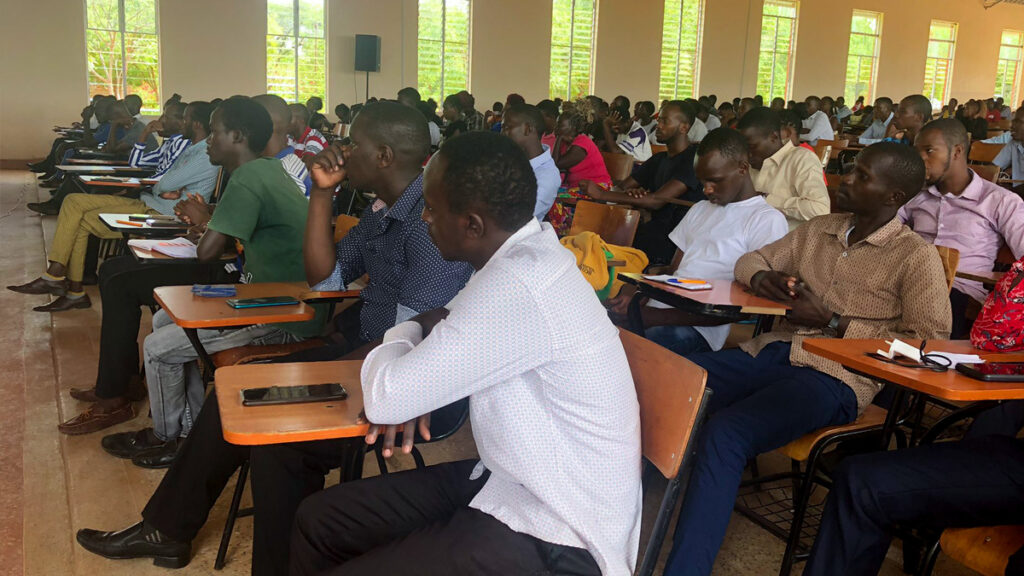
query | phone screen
[261, 302]
[293, 394]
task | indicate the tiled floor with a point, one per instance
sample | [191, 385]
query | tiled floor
[52, 485]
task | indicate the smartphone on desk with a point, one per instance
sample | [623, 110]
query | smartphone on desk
[161, 223]
[293, 394]
[994, 371]
[261, 302]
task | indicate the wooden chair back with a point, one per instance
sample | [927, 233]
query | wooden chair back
[985, 550]
[619, 166]
[669, 389]
[615, 225]
[823, 150]
[1002, 124]
[655, 148]
[834, 147]
[832, 182]
[218, 188]
[950, 260]
[983, 153]
[342, 224]
[989, 172]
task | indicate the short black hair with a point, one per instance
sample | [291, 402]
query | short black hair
[786, 118]
[952, 130]
[280, 113]
[648, 107]
[175, 109]
[201, 111]
[884, 100]
[249, 118]
[343, 113]
[528, 114]
[624, 98]
[685, 109]
[765, 120]
[725, 141]
[455, 101]
[484, 169]
[906, 168]
[623, 113]
[410, 92]
[398, 127]
[317, 100]
[548, 108]
[301, 110]
[918, 104]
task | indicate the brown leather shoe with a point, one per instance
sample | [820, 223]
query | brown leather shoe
[93, 420]
[84, 394]
[136, 391]
[64, 303]
[41, 286]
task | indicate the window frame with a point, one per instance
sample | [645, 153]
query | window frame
[443, 41]
[1018, 65]
[948, 85]
[790, 55]
[879, 18]
[677, 56]
[570, 45]
[122, 31]
[297, 37]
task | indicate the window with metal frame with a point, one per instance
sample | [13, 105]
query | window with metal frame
[778, 48]
[296, 49]
[862, 57]
[1011, 53]
[681, 37]
[443, 47]
[123, 50]
[938, 68]
[573, 29]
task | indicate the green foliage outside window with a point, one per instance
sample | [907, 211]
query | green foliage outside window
[1011, 52]
[443, 48]
[778, 44]
[573, 26]
[124, 59]
[682, 29]
[862, 59]
[938, 68]
[296, 49]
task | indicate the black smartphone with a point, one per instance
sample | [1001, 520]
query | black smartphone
[293, 394]
[262, 302]
[994, 371]
[161, 223]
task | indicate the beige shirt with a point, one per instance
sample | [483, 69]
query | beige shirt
[792, 181]
[891, 284]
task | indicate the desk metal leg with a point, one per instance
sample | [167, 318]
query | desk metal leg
[763, 324]
[893, 416]
[353, 452]
[636, 321]
[206, 366]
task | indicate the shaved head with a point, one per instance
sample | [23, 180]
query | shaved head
[278, 110]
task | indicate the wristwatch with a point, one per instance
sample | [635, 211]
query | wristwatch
[832, 328]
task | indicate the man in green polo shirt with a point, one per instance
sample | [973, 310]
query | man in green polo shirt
[263, 210]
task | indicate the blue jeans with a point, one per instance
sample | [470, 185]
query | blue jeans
[759, 404]
[682, 340]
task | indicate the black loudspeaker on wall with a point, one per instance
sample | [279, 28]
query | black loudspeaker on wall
[367, 53]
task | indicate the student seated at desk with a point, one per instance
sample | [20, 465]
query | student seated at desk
[269, 222]
[817, 125]
[734, 220]
[278, 146]
[524, 124]
[962, 210]
[307, 141]
[625, 136]
[567, 385]
[914, 112]
[407, 276]
[973, 482]
[974, 122]
[79, 217]
[575, 153]
[858, 275]
[789, 130]
[550, 111]
[790, 177]
[1011, 157]
[882, 115]
[93, 117]
[667, 175]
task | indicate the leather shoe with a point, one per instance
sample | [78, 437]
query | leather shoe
[136, 391]
[93, 420]
[38, 167]
[41, 286]
[64, 303]
[136, 542]
[51, 182]
[128, 444]
[48, 208]
[84, 394]
[159, 457]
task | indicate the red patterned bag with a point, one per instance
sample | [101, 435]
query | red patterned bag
[1000, 325]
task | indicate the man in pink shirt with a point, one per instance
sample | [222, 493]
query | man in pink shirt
[962, 210]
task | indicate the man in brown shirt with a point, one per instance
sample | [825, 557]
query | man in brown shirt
[857, 275]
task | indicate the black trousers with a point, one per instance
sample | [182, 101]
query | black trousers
[974, 482]
[125, 286]
[419, 522]
[961, 325]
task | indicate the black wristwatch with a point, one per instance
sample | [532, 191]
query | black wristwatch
[832, 328]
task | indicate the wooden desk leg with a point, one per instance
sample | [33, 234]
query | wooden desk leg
[206, 366]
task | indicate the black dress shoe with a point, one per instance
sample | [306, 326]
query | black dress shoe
[48, 208]
[38, 167]
[41, 286]
[159, 457]
[128, 444]
[51, 182]
[64, 303]
[136, 542]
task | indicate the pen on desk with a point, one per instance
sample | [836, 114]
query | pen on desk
[127, 223]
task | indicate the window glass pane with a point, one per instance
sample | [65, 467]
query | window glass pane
[124, 59]
[296, 49]
[862, 59]
[572, 24]
[105, 69]
[280, 17]
[140, 16]
[443, 47]
[680, 50]
[102, 14]
[311, 18]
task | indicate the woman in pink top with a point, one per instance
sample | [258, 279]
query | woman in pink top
[577, 154]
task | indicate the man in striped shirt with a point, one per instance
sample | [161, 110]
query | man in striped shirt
[279, 146]
[169, 126]
[307, 141]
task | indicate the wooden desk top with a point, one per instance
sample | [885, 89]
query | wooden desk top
[722, 293]
[111, 221]
[257, 425]
[143, 255]
[949, 385]
[191, 311]
[98, 162]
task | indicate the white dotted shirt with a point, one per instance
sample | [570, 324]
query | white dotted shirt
[554, 410]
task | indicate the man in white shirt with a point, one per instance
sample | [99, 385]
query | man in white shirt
[525, 124]
[734, 220]
[882, 114]
[789, 176]
[554, 409]
[710, 120]
[623, 135]
[817, 125]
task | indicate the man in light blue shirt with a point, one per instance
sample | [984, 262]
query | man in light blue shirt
[524, 124]
[1012, 155]
[883, 115]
